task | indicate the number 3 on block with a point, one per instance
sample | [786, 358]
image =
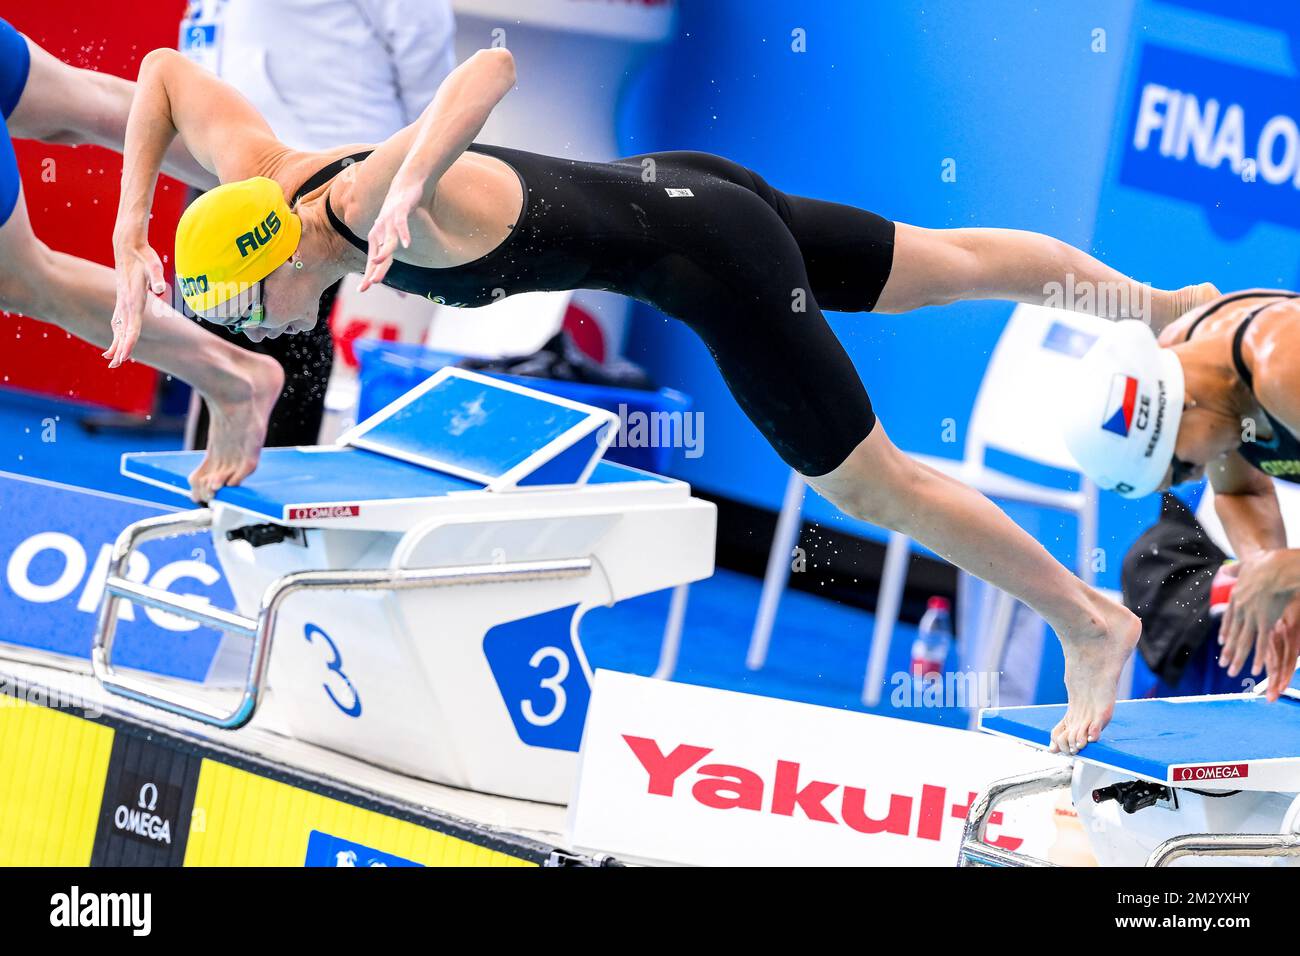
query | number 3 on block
[543, 685]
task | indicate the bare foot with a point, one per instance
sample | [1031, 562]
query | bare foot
[237, 426]
[1094, 657]
[1168, 307]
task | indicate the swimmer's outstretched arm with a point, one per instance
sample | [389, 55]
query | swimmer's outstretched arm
[222, 131]
[939, 266]
[399, 178]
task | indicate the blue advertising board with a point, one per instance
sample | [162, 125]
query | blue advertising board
[55, 545]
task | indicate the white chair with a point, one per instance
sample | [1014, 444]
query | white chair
[1016, 411]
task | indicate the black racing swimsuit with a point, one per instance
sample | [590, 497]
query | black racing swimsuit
[1279, 457]
[706, 241]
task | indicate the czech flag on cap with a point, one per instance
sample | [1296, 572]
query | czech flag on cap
[1118, 417]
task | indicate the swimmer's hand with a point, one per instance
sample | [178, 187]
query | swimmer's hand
[139, 272]
[1283, 650]
[1262, 617]
[393, 225]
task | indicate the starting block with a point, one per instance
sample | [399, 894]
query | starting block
[1187, 777]
[412, 595]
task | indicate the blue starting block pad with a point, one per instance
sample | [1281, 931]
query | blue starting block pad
[458, 434]
[488, 430]
[1234, 741]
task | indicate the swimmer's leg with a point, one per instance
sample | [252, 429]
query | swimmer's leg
[79, 296]
[880, 484]
[793, 378]
[65, 104]
[939, 266]
[859, 262]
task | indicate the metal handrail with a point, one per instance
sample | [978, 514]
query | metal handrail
[1224, 844]
[262, 628]
[974, 850]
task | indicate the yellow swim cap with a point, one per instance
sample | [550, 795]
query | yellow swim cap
[232, 237]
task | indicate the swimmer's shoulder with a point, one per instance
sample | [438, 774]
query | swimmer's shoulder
[1225, 309]
[1271, 348]
[292, 167]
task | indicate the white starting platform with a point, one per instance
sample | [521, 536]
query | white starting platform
[1202, 779]
[412, 595]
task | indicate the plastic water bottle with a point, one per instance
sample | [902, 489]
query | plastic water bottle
[933, 641]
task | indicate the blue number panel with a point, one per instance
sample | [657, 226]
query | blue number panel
[539, 673]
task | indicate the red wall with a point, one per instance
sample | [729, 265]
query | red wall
[75, 213]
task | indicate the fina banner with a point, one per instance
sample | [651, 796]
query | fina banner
[1222, 136]
[55, 546]
[674, 773]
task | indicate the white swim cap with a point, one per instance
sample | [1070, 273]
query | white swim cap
[1121, 416]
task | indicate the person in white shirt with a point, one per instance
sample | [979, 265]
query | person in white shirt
[322, 72]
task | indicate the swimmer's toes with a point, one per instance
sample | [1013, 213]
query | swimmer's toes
[220, 480]
[1061, 736]
[1081, 732]
[1095, 729]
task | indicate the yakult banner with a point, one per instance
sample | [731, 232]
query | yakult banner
[675, 773]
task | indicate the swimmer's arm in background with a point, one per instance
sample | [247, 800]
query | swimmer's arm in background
[400, 177]
[221, 130]
[1263, 614]
[1246, 502]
